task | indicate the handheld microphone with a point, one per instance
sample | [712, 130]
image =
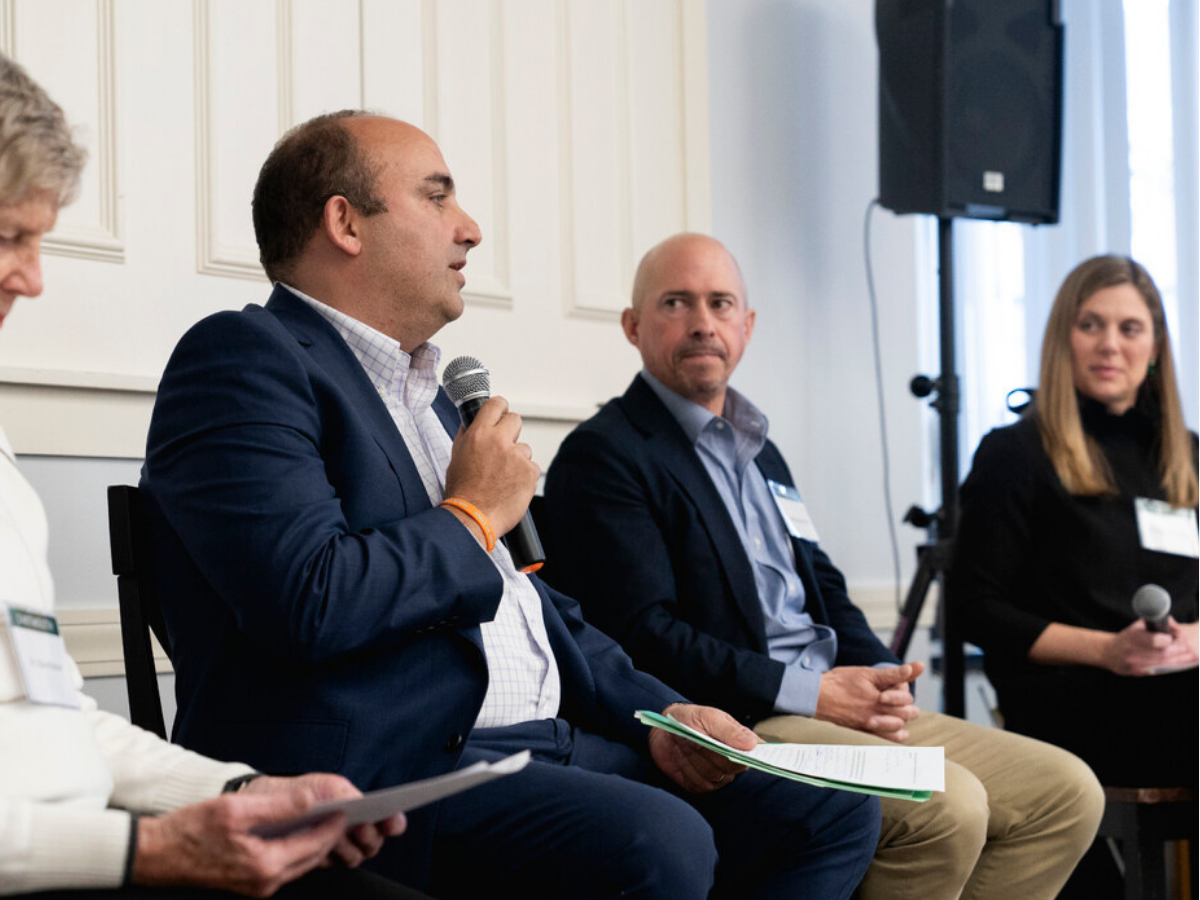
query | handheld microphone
[1153, 605]
[468, 384]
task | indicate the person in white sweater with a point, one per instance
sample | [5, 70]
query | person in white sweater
[87, 800]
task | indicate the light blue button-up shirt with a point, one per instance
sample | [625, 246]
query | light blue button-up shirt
[727, 446]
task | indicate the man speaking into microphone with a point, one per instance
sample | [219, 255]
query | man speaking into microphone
[336, 597]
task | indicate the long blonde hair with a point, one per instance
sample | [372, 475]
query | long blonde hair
[1075, 455]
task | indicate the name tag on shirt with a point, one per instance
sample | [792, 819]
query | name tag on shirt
[1166, 528]
[41, 657]
[795, 514]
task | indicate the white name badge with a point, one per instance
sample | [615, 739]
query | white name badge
[795, 514]
[41, 657]
[1166, 528]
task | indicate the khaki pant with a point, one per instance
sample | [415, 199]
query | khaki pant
[1015, 818]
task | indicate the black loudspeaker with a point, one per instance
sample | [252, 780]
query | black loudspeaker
[970, 108]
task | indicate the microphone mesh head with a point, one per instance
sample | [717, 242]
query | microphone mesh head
[465, 378]
[1151, 602]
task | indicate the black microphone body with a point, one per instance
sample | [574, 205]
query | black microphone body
[470, 408]
[523, 543]
[524, 546]
[1153, 604]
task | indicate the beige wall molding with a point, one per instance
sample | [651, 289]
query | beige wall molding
[619, 194]
[92, 228]
[56, 413]
[103, 415]
[577, 133]
[217, 252]
[93, 638]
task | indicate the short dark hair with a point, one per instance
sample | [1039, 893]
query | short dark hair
[314, 161]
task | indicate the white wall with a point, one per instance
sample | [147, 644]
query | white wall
[577, 133]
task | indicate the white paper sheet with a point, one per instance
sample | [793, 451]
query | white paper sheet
[917, 770]
[379, 805]
[906, 768]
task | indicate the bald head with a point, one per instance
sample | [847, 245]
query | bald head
[378, 138]
[677, 251]
[689, 318]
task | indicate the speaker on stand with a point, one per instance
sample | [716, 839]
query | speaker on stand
[970, 125]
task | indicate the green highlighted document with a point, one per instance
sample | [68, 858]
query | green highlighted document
[909, 773]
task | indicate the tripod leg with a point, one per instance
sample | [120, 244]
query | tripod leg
[917, 591]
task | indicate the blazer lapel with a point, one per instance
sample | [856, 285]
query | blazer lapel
[447, 412]
[667, 441]
[331, 353]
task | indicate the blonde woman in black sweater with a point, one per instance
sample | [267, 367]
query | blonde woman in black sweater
[1066, 514]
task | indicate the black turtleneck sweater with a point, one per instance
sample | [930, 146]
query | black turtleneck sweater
[1028, 553]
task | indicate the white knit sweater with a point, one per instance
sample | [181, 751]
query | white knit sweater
[67, 775]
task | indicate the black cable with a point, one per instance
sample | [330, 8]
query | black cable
[883, 437]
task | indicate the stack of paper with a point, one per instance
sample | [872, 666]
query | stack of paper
[909, 773]
[378, 805]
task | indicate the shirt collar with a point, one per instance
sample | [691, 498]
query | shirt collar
[743, 416]
[691, 416]
[385, 362]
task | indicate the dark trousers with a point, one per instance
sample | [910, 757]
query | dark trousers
[593, 818]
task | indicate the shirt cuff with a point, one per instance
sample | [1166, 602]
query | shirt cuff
[798, 691]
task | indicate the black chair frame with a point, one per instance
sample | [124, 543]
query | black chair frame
[140, 613]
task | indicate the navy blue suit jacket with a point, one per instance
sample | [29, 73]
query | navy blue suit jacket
[639, 535]
[322, 614]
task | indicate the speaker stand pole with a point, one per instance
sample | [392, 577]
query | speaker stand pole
[947, 405]
[933, 558]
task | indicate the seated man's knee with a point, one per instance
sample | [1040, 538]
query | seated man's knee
[955, 820]
[667, 852]
[964, 811]
[845, 825]
[1073, 790]
[861, 815]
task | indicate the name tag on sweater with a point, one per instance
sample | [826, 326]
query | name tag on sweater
[795, 514]
[41, 656]
[1166, 528]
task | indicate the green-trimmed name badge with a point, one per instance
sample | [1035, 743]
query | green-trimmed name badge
[795, 514]
[41, 657]
[1167, 529]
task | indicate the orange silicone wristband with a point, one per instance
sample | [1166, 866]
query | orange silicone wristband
[489, 535]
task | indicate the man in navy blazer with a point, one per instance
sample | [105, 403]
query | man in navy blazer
[677, 525]
[335, 598]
